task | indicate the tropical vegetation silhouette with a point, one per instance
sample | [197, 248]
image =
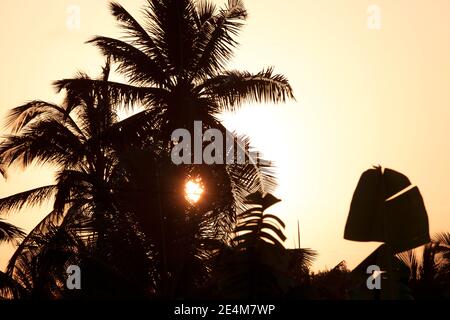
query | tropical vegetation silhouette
[119, 210]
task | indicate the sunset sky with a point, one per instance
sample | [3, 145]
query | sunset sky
[364, 97]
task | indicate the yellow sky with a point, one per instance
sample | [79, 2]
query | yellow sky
[365, 97]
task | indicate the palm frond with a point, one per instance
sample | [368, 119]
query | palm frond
[133, 63]
[72, 186]
[409, 259]
[172, 24]
[9, 288]
[442, 238]
[255, 174]
[46, 224]
[119, 93]
[3, 171]
[41, 264]
[33, 197]
[443, 245]
[10, 233]
[136, 33]
[303, 258]
[42, 142]
[254, 225]
[215, 42]
[136, 130]
[21, 116]
[234, 88]
[205, 10]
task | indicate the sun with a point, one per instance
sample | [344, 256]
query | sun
[193, 190]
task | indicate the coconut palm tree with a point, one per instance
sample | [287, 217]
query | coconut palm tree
[76, 138]
[175, 66]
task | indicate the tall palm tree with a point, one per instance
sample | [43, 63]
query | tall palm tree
[76, 138]
[175, 65]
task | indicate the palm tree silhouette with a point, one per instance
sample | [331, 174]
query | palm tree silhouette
[101, 201]
[174, 64]
[175, 67]
[78, 139]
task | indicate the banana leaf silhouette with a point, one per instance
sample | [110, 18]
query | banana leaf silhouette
[387, 208]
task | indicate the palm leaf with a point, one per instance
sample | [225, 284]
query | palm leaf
[9, 232]
[33, 197]
[9, 288]
[2, 171]
[171, 23]
[442, 238]
[409, 259]
[43, 142]
[119, 93]
[132, 62]
[215, 42]
[234, 88]
[19, 117]
[136, 33]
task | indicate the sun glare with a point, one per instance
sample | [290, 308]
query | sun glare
[193, 190]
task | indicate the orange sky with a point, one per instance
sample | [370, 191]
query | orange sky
[365, 97]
